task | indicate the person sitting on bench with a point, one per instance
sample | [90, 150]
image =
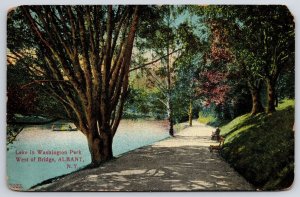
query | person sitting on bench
[216, 135]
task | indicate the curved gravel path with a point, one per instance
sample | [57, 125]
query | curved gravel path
[182, 163]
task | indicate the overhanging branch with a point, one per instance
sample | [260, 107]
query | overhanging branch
[154, 61]
[42, 81]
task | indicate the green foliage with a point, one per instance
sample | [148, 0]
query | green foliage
[185, 86]
[286, 84]
[12, 131]
[261, 147]
[143, 103]
[30, 99]
[23, 57]
[205, 118]
[260, 40]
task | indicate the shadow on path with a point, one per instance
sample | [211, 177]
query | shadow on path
[182, 163]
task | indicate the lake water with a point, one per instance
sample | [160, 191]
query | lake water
[130, 135]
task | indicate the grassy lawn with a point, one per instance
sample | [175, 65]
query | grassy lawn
[261, 147]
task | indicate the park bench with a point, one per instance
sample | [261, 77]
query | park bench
[217, 147]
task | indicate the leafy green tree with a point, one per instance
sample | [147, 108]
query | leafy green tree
[261, 40]
[86, 53]
[186, 85]
[277, 36]
[162, 43]
[189, 64]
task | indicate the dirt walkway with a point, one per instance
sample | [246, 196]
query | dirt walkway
[182, 163]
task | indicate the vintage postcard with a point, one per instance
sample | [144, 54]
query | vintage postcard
[150, 98]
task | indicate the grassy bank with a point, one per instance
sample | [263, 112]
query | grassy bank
[261, 147]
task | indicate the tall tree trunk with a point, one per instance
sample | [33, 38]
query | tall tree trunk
[256, 101]
[100, 147]
[169, 92]
[170, 116]
[171, 130]
[191, 114]
[255, 89]
[271, 96]
[97, 77]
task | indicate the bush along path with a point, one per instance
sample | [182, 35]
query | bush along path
[182, 163]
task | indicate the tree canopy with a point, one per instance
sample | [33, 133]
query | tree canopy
[85, 63]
